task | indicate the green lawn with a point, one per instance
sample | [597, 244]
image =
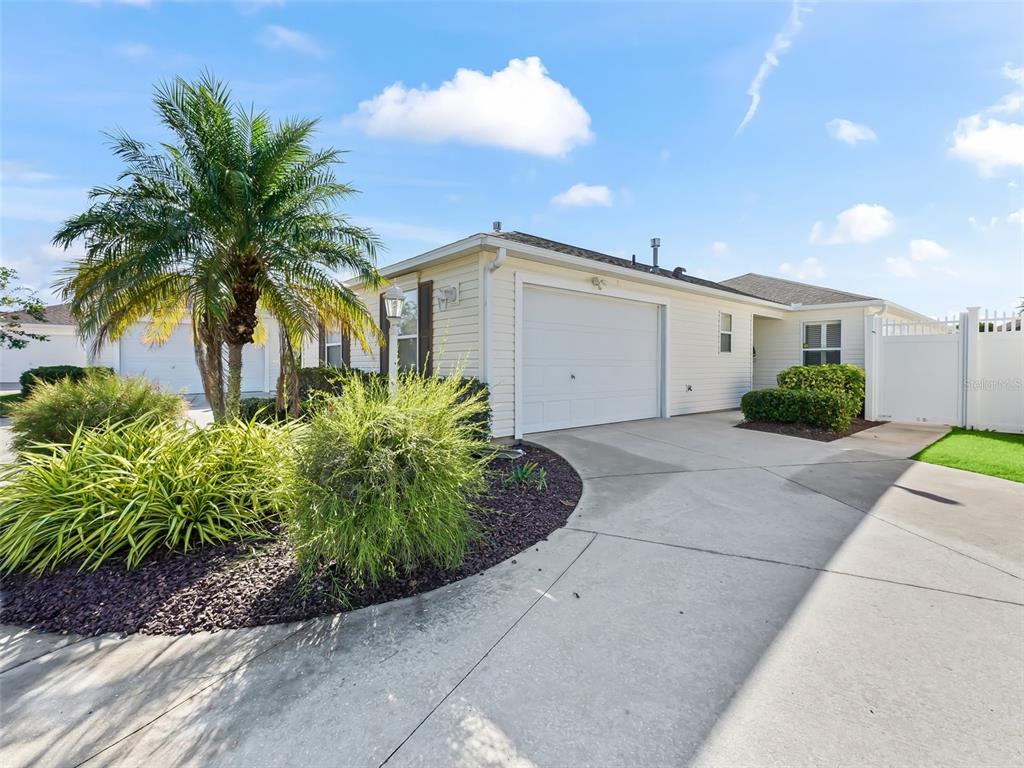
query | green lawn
[6, 401]
[990, 453]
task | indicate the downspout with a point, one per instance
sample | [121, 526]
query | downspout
[486, 363]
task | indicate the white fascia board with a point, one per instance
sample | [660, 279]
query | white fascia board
[837, 305]
[578, 263]
[415, 263]
[907, 310]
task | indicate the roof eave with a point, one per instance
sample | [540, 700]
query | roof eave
[548, 256]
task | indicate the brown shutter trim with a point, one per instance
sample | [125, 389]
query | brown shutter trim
[321, 337]
[346, 350]
[425, 327]
[385, 328]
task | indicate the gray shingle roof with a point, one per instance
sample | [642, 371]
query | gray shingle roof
[586, 253]
[55, 314]
[790, 291]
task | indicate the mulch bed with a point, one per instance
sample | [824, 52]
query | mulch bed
[250, 584]
[810, 433]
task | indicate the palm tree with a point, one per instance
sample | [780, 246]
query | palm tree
[236, 216]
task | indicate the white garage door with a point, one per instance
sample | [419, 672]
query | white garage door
[588, 360]
[173, 364]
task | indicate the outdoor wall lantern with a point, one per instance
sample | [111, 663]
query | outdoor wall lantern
[394, 305]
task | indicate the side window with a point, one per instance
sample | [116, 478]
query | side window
[823, 343]
[408, 332]
[332, 349]
[724, 332]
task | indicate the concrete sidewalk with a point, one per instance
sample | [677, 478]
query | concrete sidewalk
[720, 597]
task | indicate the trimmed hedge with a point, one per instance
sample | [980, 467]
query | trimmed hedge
[845, 380]
[827, 410]
[52, 373]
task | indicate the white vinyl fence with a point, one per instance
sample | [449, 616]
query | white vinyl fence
[965, 371]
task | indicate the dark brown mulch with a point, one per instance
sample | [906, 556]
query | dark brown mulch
[811, 433]
[245, 585]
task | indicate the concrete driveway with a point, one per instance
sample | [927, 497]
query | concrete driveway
[720, 597]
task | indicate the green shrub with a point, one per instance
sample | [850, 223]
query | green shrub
[827, 410]
[386, 484]
[54, 411]
[52, 373]
[844, 380]
[135, 488]
[262, 409]
[330, 381]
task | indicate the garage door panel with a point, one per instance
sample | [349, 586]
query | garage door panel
[172, 365]
[588, 359]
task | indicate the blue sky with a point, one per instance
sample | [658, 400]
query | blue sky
[884, 156]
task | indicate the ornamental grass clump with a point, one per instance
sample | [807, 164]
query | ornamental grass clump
[56, 410]
[387, 484]
[138, 488]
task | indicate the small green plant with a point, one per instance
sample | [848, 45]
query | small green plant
[528, 474]
[55, 410]
[386, 484]
[140, 487]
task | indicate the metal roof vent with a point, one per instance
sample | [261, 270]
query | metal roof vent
[655, 245]
[496, 226]
[678, 272]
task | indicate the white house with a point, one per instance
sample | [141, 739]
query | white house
[172, 364]
[563, 335]
[569, 337]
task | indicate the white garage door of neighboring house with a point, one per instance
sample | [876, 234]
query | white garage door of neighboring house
[173, 364]
[588, 360]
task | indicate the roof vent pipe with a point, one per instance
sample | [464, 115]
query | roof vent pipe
[496, 226]
[655, 245]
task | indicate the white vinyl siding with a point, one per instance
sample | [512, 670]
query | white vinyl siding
[456, 324]
[779, 342]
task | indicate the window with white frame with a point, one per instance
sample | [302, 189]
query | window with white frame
[332, 348]
[724, 332]
[409, 332]
[823, 343]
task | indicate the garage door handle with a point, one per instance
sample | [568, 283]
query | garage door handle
[572, 376]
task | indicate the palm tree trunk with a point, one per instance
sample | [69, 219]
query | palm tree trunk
[234, 394]
[211, 369]
[288, 379]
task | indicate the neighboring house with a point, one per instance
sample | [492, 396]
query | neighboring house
[172, 364]
[568, 337]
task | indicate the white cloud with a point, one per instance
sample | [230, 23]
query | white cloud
[990, 143]
[927, 250]
[719, 248]
[808, 269]
[519, 107]
[900, 266]
[842, 129]
[21, 173]
[982, 226]
[133, 50]
[584, 195]
[860, 224]
[400, 230]
[1017, 217]
[276, 38]
[780, 44]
